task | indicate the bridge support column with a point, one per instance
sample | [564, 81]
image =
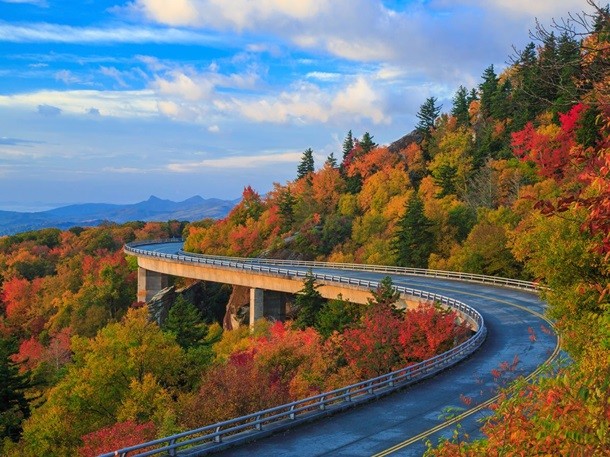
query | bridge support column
[257, 305]
[149, 283]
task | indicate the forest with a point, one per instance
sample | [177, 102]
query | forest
[513, 180]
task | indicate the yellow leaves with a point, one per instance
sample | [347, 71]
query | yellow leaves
[378, 189]
[146, 400]
[327, 186]
[550, 130]
[348, 205]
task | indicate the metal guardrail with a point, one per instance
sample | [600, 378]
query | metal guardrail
[455, 275]
[284, 416]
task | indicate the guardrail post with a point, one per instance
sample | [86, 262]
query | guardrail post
[292, 412]
[172, 451]
[323, 403]
[218, 436]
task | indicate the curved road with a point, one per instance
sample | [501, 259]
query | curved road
[518, 337]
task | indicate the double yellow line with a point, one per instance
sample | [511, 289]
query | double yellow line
[486, 403]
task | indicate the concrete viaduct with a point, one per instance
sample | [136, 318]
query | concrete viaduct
[154, 269]
[504, 313]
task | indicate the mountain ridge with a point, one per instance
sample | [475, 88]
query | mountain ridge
[92, 214]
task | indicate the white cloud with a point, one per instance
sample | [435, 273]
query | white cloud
[127, 170]
[308, 103]
[67, 77]
[176, 12]
[323, 75]
[41, 3]
[546, 8]
[238, 14]
[184, 86]
[360, 100]
[236, 162]
[114, 73]
[213, 129]
[122, 104]
[54, 33]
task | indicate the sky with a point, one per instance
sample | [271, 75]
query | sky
[114, 100]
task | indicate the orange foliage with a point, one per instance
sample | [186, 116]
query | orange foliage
[378, 159]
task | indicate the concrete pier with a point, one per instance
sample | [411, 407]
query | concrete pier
[149, 283]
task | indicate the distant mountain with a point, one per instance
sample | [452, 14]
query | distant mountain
[90, 214]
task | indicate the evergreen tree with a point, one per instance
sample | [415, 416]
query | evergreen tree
[488, 89]
[460, 107]
[385, 294]
[308, 303]
[472, 96]
[14, 407]
[348, 145]
[367, 143]
[428, 112]
[337, 315]
[185, 323]
[524, 94]
[444, 177]
[413, 241]
[568, 54]
[307, 164]
[331, 161]
[548, 72]
[286, 203]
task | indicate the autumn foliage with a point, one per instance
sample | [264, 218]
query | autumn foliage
[513, 181]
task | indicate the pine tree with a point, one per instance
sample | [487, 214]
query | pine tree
[461, 106]
[308, 303]
[367, 143]
[524, 94]
[428, 112]
[488, 88]
[414, 239]
[331, 161]
[385, 294]
[14, 407]
[337, 315]
[185, 323]
[286, 203]
[306, 167]
[348, 145]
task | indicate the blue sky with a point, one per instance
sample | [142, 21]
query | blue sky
[115, 100]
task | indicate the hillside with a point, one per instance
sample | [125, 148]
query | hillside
[92, 214]
[512, 179]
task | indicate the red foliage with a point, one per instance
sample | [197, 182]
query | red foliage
[428, 331]
[237, 388]
[550, 151]
[117, 436]
[386, 342]
[21, 300]
[30, 354]
[373, 348]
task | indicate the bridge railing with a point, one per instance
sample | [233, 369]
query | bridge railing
[455, 275]
[244, 428]
[205, 439]
[238, 263]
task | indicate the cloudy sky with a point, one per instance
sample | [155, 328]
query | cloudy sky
[116, 100]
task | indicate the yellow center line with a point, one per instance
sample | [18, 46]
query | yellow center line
[486, 403]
